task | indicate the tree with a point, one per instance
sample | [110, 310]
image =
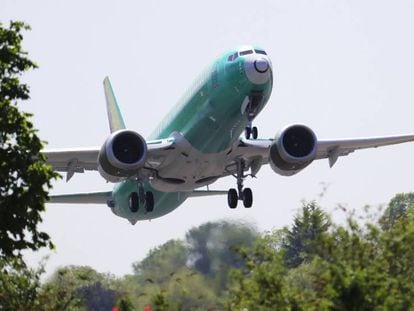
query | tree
[211, 246]
[397, 207]
[353, 267]
[19, 285]
[190, 274]
[161, 262]
[79, 287]
[261, 283]
[24, 176]
[300, 240]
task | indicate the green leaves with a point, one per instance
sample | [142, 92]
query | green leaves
[352, 267]
[24, 176]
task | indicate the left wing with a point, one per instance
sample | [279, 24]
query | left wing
[256, 152]
[74, 160]
[334, 148]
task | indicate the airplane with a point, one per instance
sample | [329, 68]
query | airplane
[209, 134]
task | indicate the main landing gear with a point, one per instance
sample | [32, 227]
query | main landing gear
[143, 198]
[245, 195]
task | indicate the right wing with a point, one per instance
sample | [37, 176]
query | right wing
[79, 160]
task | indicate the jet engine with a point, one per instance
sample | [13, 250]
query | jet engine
[122, 155]
[293, 149]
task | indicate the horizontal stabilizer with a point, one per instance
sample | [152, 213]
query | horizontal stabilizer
[83, 198]
[206, 193]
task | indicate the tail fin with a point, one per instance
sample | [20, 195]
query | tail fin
[114, 114]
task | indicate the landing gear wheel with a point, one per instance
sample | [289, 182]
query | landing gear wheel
[232, 198]
[255, 132]
[133, 202]
[248, 132]
[247, 197]
[149, 201]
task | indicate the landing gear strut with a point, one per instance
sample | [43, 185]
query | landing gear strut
[141, 198]
[252, 109]
[245, 195]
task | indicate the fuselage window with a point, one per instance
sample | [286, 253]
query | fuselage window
[242, 53]
[230, 58]
[260, 52]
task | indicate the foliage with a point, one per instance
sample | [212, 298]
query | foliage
[24, 176]
[352, 267]
[301, 239]
[161, 262]
[79, 288]
[211, 249]
[356, 266]
[19, 285]
[398, 207]
[190, 274]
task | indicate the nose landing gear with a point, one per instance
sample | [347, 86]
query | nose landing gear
[251, 132]
[245, 195]
[255, 101]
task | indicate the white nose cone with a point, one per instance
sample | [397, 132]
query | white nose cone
[257, 69]
[261, 65]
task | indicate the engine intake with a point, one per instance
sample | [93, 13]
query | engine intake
[122, 155]
[293, 149]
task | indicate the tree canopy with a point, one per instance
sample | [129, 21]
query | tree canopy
[349, 267]
[24, 176]
[353, 266]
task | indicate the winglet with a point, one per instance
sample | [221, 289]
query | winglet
[114, 114]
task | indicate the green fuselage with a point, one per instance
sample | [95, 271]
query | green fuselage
[211, 119]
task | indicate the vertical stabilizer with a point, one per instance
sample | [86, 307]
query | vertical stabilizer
[114, 114]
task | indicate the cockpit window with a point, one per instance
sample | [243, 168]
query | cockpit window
[260, 52]
[242, 53]
[232, 57]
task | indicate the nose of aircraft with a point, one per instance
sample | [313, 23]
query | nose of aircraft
[261, 65]
[257, 69]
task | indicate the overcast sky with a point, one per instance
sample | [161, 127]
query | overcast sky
[344, 68]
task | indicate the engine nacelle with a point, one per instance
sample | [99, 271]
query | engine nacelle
[122, 155]
[293, 149]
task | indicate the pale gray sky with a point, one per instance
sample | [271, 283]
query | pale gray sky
[344, 68]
